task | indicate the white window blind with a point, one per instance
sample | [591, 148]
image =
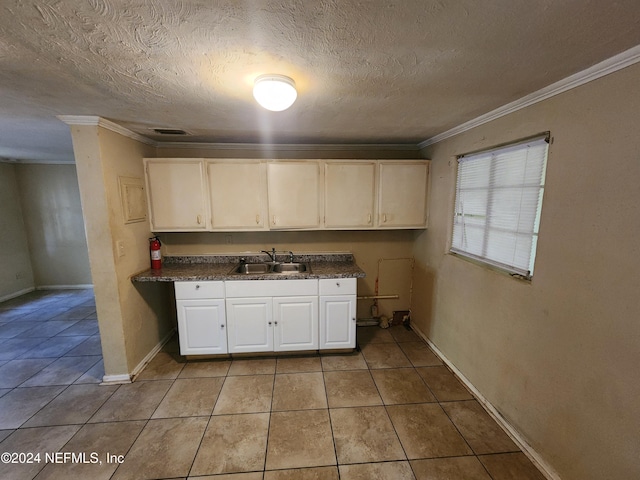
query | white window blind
[498, 204]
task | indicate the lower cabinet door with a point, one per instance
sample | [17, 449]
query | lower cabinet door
[250, 324]
[337, 321]
[202, 327]
[295, 323]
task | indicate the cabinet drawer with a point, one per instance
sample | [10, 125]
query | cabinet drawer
[196, 290]
[270, 288]
[338, 286]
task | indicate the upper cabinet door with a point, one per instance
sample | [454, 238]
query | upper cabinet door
[402, 194]
[237, 194]
[294, 194]
[349, 192]
[176, 194]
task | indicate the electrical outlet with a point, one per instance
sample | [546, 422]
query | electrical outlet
[120, 248]
[19, 275]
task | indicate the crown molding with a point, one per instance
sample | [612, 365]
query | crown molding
[285, 147]
[611, 65]
[93, 120]
[42, 161]
[79, 119]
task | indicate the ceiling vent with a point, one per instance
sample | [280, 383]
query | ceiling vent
[169, 131]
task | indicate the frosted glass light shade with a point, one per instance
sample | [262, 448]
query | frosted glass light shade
[275, 92]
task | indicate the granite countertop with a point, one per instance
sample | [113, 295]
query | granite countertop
[220, 267]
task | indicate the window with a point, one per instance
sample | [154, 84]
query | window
[498, 204]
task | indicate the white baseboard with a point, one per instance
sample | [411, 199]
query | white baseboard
[509, 429]
[130, 377]
[65, 287]
[116, 379]
[16, 294]
[152, 354]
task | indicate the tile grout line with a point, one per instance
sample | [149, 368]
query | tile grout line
[266, 446]
[333, 438]
[384, 404]
[146, 421]
[204, 432]
[81, 426]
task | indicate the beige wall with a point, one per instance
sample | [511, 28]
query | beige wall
[16, 275]
[558, 357]
[52, 212]
[133, 318]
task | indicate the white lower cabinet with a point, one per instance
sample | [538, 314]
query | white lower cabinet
[250, 323]
[295, 323]
[272, 315]
[248, 316]
[337, 313]
[201, 318]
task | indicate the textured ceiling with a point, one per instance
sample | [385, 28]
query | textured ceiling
[367, 71]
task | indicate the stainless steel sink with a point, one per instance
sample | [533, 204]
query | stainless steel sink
[249, 268]
[270, 268]
[290, 268]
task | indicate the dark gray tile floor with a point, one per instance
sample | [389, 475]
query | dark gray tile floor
[389, 411]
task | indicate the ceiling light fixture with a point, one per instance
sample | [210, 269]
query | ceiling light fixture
[274, 92]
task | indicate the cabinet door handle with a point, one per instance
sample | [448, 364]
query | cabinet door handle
[369, 218]
[199, 219]
[354, 319]
[275, 323]
[384, 217]
[257, 219]
[269, 323]
[337, 284]
[197, 287]
[274, 220]
[222, 325]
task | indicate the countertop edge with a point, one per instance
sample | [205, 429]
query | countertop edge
[185, 271]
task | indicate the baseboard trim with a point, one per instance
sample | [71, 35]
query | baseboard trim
[509, 429]
[16, 294]
[154, 351]
[130, 377]
[80, 286]
[116, 379]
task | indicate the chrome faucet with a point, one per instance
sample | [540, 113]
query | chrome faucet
[272, 254]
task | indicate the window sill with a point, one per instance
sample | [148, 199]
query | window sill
[491, 267]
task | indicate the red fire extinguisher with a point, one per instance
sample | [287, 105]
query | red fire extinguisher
[156, 255]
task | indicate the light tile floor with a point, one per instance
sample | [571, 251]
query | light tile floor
[390, 411]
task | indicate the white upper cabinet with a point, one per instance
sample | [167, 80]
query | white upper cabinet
[349, 194]
[176, 194]
[237, 194]
[294, 194]
[252, 195]
[402, 194]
